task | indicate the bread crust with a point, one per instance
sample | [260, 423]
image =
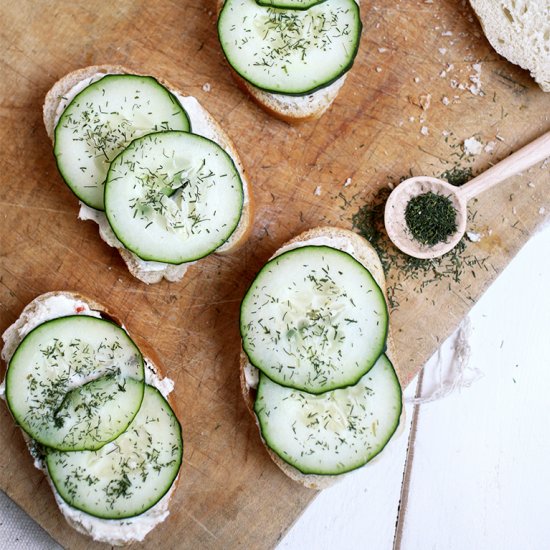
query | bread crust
[171, 273]
[294, 110]
[366, 255]
[146, 350]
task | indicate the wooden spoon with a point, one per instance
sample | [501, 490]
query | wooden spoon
[394, 214]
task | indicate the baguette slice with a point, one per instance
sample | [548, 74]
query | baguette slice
[202, 124]
[291, 109]
[519, 30]
[362, 251]
[57, 304]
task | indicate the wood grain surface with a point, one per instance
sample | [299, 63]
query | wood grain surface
[378, 130]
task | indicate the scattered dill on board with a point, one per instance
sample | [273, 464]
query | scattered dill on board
[368, 221]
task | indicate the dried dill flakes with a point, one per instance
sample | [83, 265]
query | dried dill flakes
[431, 218]
[448, 269]
[457, 176]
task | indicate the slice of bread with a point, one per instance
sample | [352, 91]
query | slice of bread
[362, 251]
[202, 123]
[291, 109]
[520, 31]
[61, 303]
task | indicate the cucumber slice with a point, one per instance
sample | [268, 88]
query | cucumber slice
[290, 4]
[292, 52]
[335, 432]
[101, 120]
[129, 475]
[173, 197]
[314, 319]
[67, 384]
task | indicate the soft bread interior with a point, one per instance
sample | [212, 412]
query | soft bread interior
[520, 31]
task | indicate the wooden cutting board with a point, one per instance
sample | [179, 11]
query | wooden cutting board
[391, 119]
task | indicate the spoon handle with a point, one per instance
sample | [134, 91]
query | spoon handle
[514, 164]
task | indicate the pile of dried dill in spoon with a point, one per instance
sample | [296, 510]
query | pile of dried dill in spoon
[431, 218]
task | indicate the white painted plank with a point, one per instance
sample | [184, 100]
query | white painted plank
[480, 475]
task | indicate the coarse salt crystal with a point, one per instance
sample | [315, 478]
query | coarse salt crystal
[474, 237]
[424, 130]
[472, 146]
[317, 191]
[206, 87]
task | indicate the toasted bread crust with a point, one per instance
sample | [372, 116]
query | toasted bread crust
[170, 273]
[146, 350]
[293, 110]
[366, 255]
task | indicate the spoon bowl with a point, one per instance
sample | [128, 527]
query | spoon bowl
[396, 225]
[394, 213]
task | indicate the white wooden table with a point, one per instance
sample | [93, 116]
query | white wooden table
[470, 470]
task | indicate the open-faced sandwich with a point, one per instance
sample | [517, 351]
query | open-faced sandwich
[291, 56]
[317, 364]
[96, 415]
[150, 166]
